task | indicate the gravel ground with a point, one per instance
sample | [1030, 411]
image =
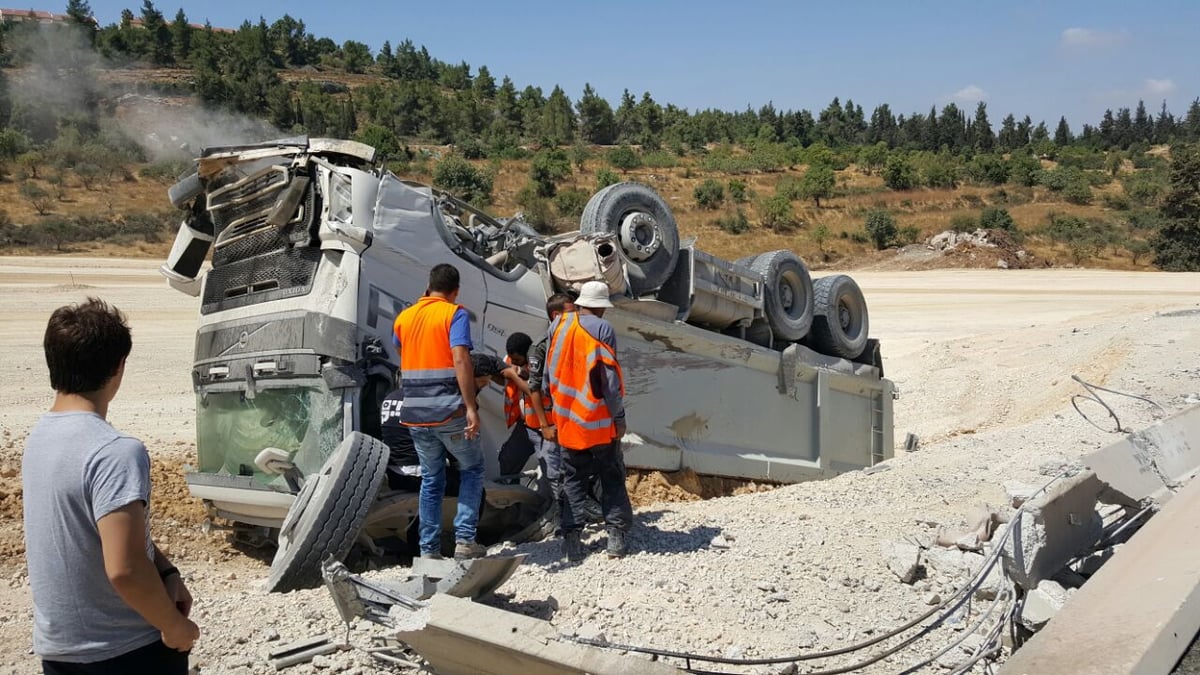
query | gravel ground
[983, 360]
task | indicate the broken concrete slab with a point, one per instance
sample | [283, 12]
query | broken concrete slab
[1139, 612]
[902, 559]
[1042, 603]
[1055, 527]
[462, 637]
[1149, 465]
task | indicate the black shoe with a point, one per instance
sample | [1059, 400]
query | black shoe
[572, 547]
[616, 543]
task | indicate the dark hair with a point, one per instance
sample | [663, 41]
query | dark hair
[518, 343]
[85, 345]
[486, 365]
[443, 278]
[557, 303]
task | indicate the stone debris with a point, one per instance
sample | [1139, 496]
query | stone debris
[1042, 603]
[1018, 493]
[902, 559]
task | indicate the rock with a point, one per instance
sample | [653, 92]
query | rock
[1042, 603]
[611, 603]
[765, 587]
[591, 631]
[968, 542]
[1018, 493]
[719, 541]
[777, 597]
[947, 562]
[902, 559]
[912, 442]
[932, 599]
[1002, 264]
[971, 643]
[1059, 464]
[270, 635]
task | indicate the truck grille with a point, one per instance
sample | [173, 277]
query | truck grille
[283, 274]
[239, 212]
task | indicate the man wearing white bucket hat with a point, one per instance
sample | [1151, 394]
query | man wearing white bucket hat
[586, 387]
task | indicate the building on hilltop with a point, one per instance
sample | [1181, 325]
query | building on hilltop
[36, 16]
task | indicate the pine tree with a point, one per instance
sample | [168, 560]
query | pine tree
[983, 138]
[1164, 125]
[181, 37]
[628, 124]
[1143, 125]
[1062, 134]
[484, 84]
[558, 118]
[80, 12]
[596, 122]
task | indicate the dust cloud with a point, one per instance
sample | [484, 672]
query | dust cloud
[58, 76]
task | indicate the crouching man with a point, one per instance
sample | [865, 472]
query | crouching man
[105, 599]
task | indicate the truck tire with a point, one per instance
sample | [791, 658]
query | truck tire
[788, 294]
[642, 222]
[185, 190]
[327, 515]
[840, 322]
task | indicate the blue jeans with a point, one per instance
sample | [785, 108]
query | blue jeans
[432, 444]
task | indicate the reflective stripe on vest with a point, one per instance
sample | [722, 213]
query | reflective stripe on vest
[431, 394]
[582, 418]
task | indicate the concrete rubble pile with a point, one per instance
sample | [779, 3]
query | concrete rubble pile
[1059, 534]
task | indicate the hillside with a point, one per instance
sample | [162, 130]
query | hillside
[96, 122]
[920, 213]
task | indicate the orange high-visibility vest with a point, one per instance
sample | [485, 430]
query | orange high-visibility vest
[582, 418]
[515, 403]
[431, 394]
[512, 400]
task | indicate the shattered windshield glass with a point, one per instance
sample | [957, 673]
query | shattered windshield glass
[305, 421]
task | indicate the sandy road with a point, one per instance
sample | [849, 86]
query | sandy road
[983, 358]
[909, 311]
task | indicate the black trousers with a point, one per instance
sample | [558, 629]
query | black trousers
[603, 462]
[155, 658]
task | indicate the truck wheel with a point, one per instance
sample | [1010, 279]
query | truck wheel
[185, 191]
[328, 513]
[639, 218]
[788, 301]
[840, 322]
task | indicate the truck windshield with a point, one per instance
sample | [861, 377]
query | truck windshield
[304, 420]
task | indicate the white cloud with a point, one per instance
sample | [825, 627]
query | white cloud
[970, 94]
[1153, 87]
[1092, 37]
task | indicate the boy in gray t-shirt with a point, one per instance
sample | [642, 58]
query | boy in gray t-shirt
[105, 599]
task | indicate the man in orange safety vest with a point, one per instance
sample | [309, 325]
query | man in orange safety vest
[586, 388]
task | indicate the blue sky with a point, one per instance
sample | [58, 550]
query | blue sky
[1042, 59]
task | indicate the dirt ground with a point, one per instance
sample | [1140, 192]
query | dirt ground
[970, 350]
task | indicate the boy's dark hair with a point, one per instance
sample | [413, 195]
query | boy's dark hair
[85, 345]
[486, 365]
[557, 303]
[518, 343]
[443, 278]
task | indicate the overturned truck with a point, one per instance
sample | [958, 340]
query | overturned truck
[745, 369]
